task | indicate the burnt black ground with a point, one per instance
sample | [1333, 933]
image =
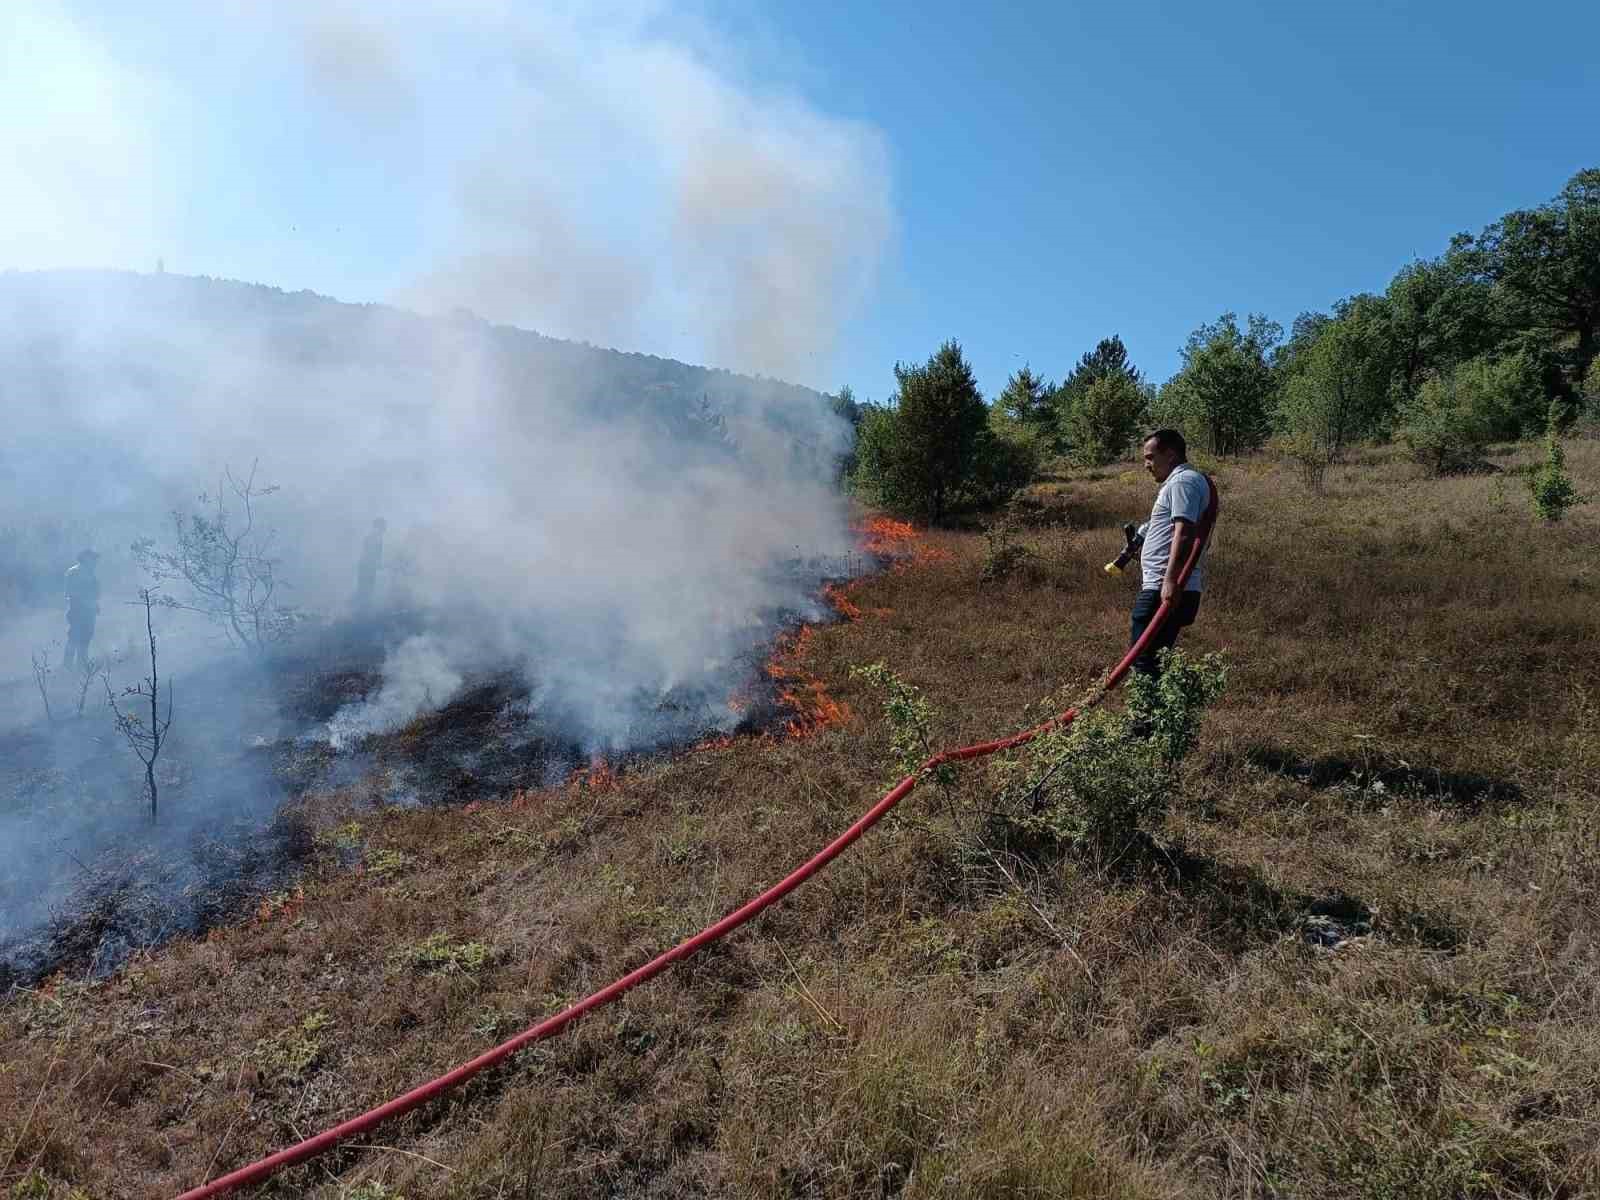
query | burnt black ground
[102, 881]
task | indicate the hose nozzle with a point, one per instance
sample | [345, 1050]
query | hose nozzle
[1133, 540]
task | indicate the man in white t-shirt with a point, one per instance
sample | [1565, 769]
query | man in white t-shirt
[1181, 501]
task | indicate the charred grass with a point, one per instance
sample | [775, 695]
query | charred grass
[1360, 959]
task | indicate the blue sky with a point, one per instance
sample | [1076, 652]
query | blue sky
[1063, 172]
[1026, 179]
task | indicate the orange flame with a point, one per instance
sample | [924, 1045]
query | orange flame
[804, 694]
[815, 709]
[285, 906]
[599, 776]
[899, 540]
[886, 536]
[838, 596]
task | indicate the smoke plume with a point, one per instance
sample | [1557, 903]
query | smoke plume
[622, 532]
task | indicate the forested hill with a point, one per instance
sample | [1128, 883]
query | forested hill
[125, 395]
[44, 315]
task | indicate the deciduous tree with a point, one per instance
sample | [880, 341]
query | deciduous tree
[1548, 260]
[1339, 390]
[1222, 395]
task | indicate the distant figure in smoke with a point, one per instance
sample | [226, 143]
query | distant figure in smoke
[83, 606]
[371, 560]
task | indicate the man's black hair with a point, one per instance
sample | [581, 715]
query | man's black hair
[1168, 439]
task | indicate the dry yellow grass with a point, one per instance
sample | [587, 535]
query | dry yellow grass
[1409, 750]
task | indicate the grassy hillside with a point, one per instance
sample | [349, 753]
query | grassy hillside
[1364, 961]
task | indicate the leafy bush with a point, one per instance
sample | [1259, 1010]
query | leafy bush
[1519, 385]
[1002, 467]
[1308, 452]
[1003, 553]
[1093, 785]
[1551, 487]
[872, 475]
[1455, 415]
[1025, 410]
[1337, 389]
[919, 455]
[438, 954]
[1101, 419]
[1221, 397]
[938, 448]
[1586, 404]
[1169, 708]
[1441, 427]
[910, 717]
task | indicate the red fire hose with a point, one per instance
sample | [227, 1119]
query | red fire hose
[313, 1146]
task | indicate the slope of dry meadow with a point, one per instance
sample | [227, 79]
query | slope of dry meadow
[1363, 961]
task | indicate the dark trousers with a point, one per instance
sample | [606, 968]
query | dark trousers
[1144, 608]
[80, 632]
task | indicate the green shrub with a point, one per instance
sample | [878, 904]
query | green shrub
[438, 954]
[1002, 466]
[1171, 706]
[1551, 487]
[1092, 786]
[1309, 454]
[1337, 390]
[910, 716]
[935, 448]
[1221, 397]
[1004, 554]
[1100, 421]
[1455, 415]
[1450, 420]
[1585, 404]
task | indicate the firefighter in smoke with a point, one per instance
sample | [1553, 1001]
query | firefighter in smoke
[83, 606]
[367, 569]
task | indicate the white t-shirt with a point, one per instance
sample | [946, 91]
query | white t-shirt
[1185, 495]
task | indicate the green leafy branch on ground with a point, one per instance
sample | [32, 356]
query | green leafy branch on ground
[1093, 785]
[911, 719]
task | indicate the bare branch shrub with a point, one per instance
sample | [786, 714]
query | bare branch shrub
[88, 671]
[145, 735]
[225, 558]
[41, 678]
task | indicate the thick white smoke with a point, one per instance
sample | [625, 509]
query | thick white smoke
[418, 675]
[611, 175]
[614, 173]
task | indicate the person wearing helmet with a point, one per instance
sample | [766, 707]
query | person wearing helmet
[83, 606]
